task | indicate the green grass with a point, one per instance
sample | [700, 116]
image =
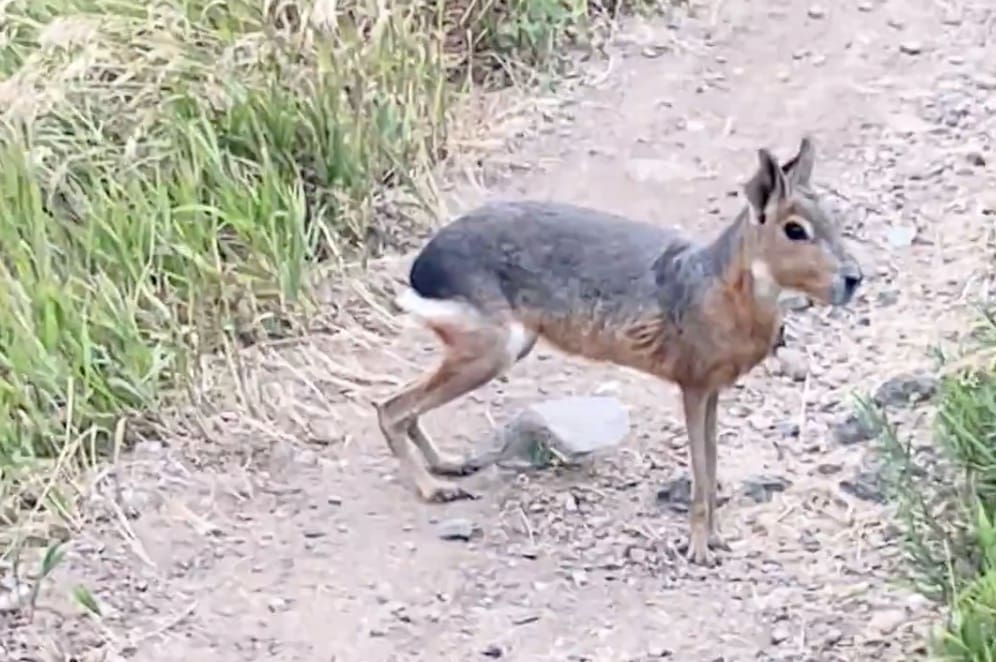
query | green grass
[172, 172]
[947, 506]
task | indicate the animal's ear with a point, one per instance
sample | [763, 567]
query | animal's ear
[800, 167]
[767, 187]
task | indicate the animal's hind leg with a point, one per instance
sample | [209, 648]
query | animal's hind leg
[473, 358]
[518, 343]
[430, 488]
[440, 462]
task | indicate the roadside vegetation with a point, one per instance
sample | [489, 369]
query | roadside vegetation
[171, 172]
[946, 497]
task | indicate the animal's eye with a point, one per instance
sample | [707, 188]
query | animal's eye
[795, 232]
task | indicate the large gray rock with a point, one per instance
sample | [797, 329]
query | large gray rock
[565, 430]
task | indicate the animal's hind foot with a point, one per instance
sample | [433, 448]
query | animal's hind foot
[718, 542]
[443, 492]
[454, 465]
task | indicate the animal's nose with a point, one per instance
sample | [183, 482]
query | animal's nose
[852, 279]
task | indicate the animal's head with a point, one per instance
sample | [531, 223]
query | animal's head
[798, 243]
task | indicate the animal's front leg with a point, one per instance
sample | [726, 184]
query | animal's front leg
[695, 403]
[715, 538]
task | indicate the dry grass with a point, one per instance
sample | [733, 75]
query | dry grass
[175, 171]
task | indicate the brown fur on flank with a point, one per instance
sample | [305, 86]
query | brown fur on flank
[612, 289]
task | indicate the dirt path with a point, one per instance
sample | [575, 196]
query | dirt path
[271, 546]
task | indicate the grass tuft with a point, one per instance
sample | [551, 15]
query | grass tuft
[946, 500]
[172, 171]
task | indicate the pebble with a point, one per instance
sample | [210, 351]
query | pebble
[676, 494]
[457, 528]
[570, 429]
[886, 620]
[816, 12]
[780, 634]
[13, 599]
[276, 604]
[985, 82]
[911, 47]
[901, 236]
[854, 429]
[905, 389]
[887, 298]
[761, 488]
[792, 363]
[864, 486]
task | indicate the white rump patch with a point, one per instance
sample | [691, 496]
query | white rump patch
[461, 314]
[439, 311]
[519, 338]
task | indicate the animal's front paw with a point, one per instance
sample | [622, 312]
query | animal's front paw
[698, 552]
[700, 547]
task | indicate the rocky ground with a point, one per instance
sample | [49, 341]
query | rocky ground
[280, 531]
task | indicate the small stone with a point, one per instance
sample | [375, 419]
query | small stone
[816, 12]
[567, 429]
[809, 542]
[865, 6]
[779, 634]
[976, 158]
[792, 363]
[787, 429]
[917, 602]
[905, 389]
[676, 494]
[886, 620]
[854, 429]
[15, 598]
[985, 82]
[761, 488]
[901, 236]
[148, 448]
[828, 468]
[493, 651]
[760, 421]
[458, 528]
[863, 486]
[306, 456]
[887, 298]
[276, 604]
[911, 47]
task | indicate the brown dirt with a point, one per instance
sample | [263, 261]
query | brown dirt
[286, 534]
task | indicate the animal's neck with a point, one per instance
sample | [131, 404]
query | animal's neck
[736, 261]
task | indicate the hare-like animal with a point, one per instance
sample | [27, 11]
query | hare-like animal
[611, 289]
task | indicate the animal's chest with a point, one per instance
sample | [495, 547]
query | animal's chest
[743, 343]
